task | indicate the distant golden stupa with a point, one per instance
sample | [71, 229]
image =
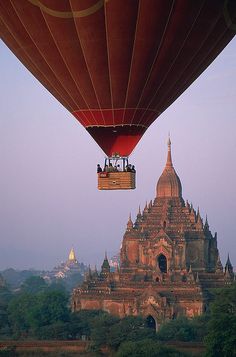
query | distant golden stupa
[72, 257]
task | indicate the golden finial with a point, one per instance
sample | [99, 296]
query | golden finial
[72, 254]
[169, 159]
[169, 142]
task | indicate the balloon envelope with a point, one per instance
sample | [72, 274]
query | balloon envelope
[116, 65]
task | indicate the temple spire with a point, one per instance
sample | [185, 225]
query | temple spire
[145, 208]
[169, 158]
[199, 219]
[139, 215]
[228, 262]
[130, 223]
[169, 185]
[139, 218]
[105, 265]
[228, 265]
[206, 225]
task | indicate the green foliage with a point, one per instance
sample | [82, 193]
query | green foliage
[5, 297]
[221, 338]
[28, 313]
[50, 307]
[199, 325]
[128, 329]
[5, 294]
[100, 328]
[146, 348]
[179, 329]
[19, 313]
[15, 278]
[184, 329]
[55, 331]
[46, 316]
[113, 331]
[82, 322]
[57, 285]
[33, 285]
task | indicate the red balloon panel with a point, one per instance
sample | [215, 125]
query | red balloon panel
[116, 65]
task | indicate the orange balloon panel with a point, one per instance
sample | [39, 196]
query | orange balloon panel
[116, 65]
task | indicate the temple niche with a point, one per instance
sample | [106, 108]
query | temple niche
[168, 261]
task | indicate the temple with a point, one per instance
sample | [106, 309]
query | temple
[67, 269]
[169, 261]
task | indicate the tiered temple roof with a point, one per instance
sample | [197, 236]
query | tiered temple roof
[168, 261]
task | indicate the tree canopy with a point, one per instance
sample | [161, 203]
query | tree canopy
[33, 285]
[147, 348]
[221, 337]
[184, 329]
[28, 313]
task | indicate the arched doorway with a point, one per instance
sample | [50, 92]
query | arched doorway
[151, 323]
[162, 263]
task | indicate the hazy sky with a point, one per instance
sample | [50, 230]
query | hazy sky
[49, 200]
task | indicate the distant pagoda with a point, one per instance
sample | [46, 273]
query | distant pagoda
[168, 261]
[65, 269]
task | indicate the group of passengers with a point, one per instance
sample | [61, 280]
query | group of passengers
[115, 168]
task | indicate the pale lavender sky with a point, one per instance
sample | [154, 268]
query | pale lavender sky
[48, 196]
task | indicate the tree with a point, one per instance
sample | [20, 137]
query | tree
[57, 285]
[19, 313]
[56, 331]
[82, 322]
[130, 328]
[15, 278]
[50, 307]
[29, 313]
[180, 329]
[184, 329]
[221, 337]
[199, 325]
[33, 285]
[5, 298]
[100, 327]
[112, 331]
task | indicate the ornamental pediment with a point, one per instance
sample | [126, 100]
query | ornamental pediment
[152, 301]
[151, 295]
[163, 239]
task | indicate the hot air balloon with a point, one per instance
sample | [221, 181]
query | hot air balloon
[116, 65]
